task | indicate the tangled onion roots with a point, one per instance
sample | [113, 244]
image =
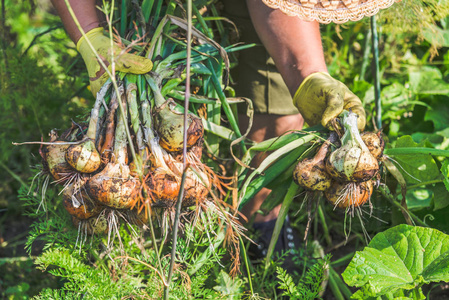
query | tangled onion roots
[138, 218]
[349, 195]
[94, 225]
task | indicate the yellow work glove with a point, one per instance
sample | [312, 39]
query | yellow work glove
[321, 98]
[128, 63]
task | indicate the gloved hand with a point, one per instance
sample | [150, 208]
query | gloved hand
[128, 63]
[321, 98]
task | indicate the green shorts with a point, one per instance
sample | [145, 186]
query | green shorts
[256, 76]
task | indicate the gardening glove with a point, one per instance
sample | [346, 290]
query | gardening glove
[321, 98]
[127, 63]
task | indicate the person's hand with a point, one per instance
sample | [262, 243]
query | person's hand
[321, 98]
[124, 62]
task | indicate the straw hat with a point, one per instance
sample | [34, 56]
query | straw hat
[326, 11]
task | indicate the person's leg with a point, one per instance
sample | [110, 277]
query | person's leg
[265, 127]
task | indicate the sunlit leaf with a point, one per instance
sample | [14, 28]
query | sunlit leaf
[400, 258]
[429, 81]
[437, 35]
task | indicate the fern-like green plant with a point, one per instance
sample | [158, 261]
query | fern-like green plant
[309, 286]
[85, 280]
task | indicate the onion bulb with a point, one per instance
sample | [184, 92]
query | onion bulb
[79, 204]
[311, 173]
[170, 124]
[349, 195]
[353, 160]
[54, 158]
[374, 142]
[83, 157]
[195, 188]
[165, 188]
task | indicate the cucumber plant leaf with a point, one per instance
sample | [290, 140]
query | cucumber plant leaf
[440, 196]
[399, 261]
[428, 81]
[437, 113]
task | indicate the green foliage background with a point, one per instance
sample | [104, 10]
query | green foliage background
[43, 85]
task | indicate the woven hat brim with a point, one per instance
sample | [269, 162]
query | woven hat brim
[327, 11]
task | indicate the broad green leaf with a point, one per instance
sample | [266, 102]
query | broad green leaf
[416, 168]
[440, 196]
[395, 95]
[419, 198]
[428, 81]
[400, 258]
[434, 138]
[438, 113]
[363, 294]
[218, 130]
[437, 35]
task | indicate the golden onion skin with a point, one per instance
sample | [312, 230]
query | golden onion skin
[195, 191]
[83, 157]
[348, 195]
[312, 175]
[87, 209]
[113, 188]
[196, 150]
[165, 189]
[374, 142]
[351, 164]
[169, 126]
[54, 156]
[366, 168]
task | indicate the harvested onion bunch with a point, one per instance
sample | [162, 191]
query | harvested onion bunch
[345, 174]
